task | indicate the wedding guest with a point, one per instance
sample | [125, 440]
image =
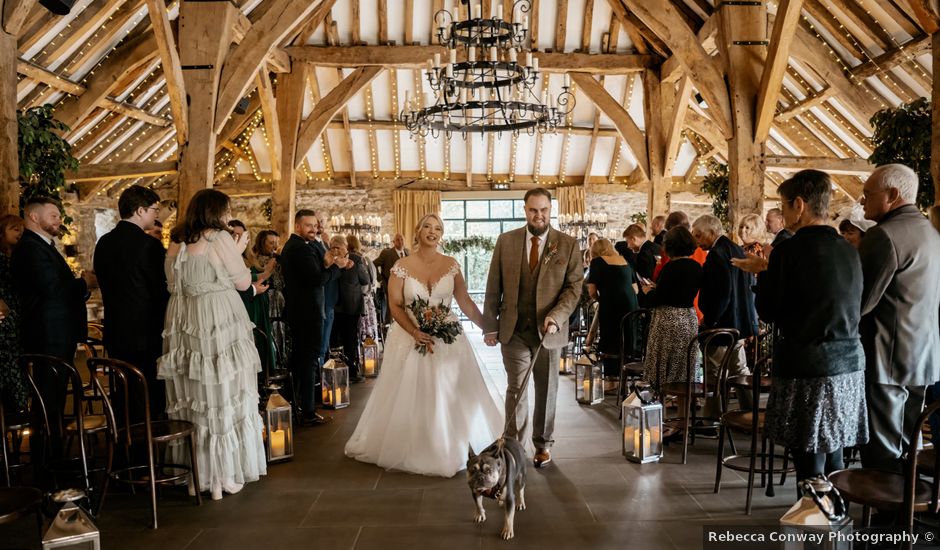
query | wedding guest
[350, 306]
[751, 233]
[384, 264]
[266, 247]
[13, 388]
[674, 322]
[611, 283]
[305, 273]
[586, 253]
[900, 302]
[726, 299]
[676, 219]
[156, 231]
[255, 297]
[854, 230]
[623, 248]
[51, 298]
[775, 226]
[210, 362]
[658, 229]
[646, 251]
[812, 289]
[368, 323]
[129, 265]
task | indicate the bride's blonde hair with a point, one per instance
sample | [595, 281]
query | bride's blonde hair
[423, 219]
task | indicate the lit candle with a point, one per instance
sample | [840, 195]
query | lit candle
[339, 396]
[370, 367]
[471, 54]
[437, 60]
[277, 443]
[641, 437]
[586, 389]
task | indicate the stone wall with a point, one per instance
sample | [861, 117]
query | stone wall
[620, 203]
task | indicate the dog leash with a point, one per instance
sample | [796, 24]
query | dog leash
[523, 388]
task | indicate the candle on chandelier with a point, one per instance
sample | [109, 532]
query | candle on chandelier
[471, 54]
[567, 80]
[479, 10]
[453, 56]
[427, 99]
[528, 59]
[492, 53]
[449, 71]
[437, 60]
[499, 11]
[535, 64]
[512, 55]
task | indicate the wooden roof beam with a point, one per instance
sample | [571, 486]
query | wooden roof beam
[15, 13]
[170, 63]
[778, 57]
[847, 166]
[112, 171]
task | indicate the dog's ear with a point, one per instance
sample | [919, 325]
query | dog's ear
[470, 455]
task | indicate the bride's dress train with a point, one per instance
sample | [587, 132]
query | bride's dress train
[426, 409]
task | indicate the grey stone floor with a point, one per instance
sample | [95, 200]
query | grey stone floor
[590, 497]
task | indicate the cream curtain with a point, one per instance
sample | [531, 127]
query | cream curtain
[571, 200]
[410, 207]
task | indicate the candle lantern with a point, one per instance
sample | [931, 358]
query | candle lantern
[589, 381]
[71, 528]
[279, 428]
[820, 514]
[371, 358]
[642, 427]
[566, 363]
[335, 380]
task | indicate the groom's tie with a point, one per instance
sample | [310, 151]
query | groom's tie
[534, 254]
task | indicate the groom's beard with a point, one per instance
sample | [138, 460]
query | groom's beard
[538, 232]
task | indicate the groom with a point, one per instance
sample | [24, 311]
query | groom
[533, 286]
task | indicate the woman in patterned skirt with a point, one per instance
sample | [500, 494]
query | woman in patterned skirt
[812, 290]
[12, 384]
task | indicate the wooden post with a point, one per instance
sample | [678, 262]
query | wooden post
[9, 159]
[658, 199]
[204, 38]
[935, 134]
[742, 36]
[291, 88]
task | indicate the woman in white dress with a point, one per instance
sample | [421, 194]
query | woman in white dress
[426, 409]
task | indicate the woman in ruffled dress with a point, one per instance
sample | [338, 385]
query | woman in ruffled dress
[210, 362]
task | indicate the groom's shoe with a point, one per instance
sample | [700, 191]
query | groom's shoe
[542, 458]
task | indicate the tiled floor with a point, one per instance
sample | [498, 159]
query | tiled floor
[589, 498]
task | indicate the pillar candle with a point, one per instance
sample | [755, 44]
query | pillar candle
[277, 443]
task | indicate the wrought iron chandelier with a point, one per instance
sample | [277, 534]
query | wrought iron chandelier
[493, 87]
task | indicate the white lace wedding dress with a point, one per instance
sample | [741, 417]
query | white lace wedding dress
[426, 409]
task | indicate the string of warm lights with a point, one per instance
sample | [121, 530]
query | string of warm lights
[396, 135]
[373, 154]
[422, 141]
[618, 148]
[567, 141]
[538, 148]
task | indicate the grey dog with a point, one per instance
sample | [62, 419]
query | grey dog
[498, 473]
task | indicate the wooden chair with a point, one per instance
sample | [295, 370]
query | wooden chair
[904, 493]
[747, 422]
[689, 391]
[19, 502]
[631, 361]
[131, 384]
[14, 428]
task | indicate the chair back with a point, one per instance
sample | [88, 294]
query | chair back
[707, 341]
[127, 385]
[4, 455]
[635, 328]
[910, 467]
[268, 358]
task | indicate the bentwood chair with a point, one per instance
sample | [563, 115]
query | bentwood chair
[19, 502]
[131, 385]
[904, 493]
[637, 325]
[689, 391]
[750, 422]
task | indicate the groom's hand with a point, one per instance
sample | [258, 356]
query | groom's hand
[490, 338]
[550, 326]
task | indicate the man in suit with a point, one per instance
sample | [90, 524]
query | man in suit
[900, 301]
[776, 226]
[305, 273]
[726, 299]
[534, 284]
[384, 264]
[52, 299]
[129, 266]
[658, 229]
[646, 251]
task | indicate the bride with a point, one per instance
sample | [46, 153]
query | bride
[426, 409]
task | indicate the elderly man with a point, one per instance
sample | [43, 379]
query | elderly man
[726, 299]
[658, 229]
[901, 267]
[384, 264]
[777, 227]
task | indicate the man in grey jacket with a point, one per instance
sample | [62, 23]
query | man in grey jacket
[900, 308]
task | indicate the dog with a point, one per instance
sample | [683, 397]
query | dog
[498, 472]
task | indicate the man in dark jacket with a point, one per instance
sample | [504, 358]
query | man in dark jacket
[305, 273]
[900, 301]
[726, 298]
[129, 265]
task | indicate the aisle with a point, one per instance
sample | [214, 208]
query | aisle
[589, 498]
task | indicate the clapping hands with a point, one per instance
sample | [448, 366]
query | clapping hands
[751, 264]
[241, 242]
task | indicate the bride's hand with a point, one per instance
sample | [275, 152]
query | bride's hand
[423, 339]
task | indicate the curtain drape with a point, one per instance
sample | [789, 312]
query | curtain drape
[570, 200]
[410, 207]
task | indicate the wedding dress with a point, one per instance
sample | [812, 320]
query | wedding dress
[426, 409]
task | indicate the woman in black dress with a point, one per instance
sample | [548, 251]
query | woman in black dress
[812, 289]
[674, 322]
[610, 282]
[12, 382]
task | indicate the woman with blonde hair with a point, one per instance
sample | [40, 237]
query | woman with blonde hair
[430, 402]
[751, 232]
[610, 283]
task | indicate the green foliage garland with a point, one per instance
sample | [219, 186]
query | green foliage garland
[266, 209]
[456, 246]
[44, 156]
[639, 217]
[715, 185]
[902, 135]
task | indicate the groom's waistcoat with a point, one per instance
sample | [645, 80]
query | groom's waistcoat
[527, 322]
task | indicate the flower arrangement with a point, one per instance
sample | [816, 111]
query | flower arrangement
[437, 321]
[550, 253]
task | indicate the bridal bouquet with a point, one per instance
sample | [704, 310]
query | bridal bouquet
[437, 321]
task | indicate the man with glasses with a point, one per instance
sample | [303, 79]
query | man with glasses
[129, 265]
[900, 304]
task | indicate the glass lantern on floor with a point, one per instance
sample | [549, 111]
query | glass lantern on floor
[71, 528]
[589, 380]
[371, 358]
[820, 514]
[566, 363]
[279, 427]
[335, 380]
[642, 427]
